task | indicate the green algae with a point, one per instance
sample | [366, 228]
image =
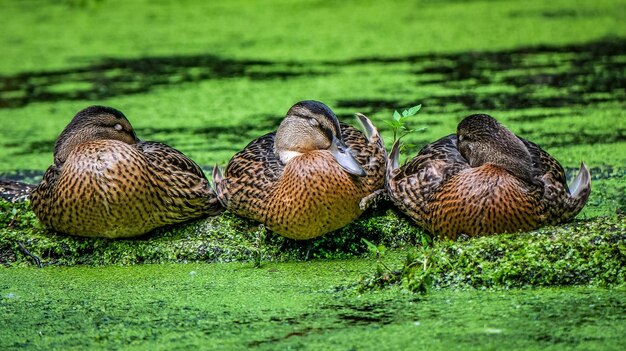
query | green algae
[304, 305]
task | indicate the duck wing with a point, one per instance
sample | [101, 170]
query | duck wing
[434, 164]
[369, 151]
[257, 160]
[163, 156]
[249, 177]
[180, 178]
[412, 185]
[545, 166]
[560, 203]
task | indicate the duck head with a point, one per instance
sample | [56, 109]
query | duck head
[90, 124]
[482, 139]
[311, 125]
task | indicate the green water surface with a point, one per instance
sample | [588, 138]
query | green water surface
[302, 305]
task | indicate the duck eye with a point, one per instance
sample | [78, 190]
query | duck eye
[118, 127]
[313, 122]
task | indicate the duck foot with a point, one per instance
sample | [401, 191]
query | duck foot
[371, 198]
[27, 253]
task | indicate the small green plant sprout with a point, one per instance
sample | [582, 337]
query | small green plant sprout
[399, 123]
[421, 266]
[379, 252]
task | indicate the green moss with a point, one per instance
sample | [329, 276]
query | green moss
[219, 239]
[586, 252]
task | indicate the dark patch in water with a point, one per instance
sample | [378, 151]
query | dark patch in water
[254, 125]
[574, 137]
[574, 72]
[28, 176]
[355, 315]
[370, 105]
[507, 101]
[601, 173]
[347, 315]
[32, 147]
[113, 77]
[541, 116]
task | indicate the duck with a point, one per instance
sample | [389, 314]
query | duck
[484, 180]
[312, 176]
[105, 182]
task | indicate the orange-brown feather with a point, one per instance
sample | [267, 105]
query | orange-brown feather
[481, 201]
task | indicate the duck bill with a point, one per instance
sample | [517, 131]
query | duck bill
[341, 153]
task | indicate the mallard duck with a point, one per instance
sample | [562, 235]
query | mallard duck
[106, 183]
[310, 177]
[484, 180]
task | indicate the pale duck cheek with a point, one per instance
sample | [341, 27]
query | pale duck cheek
[286, 156]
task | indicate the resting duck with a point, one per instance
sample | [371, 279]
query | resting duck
[310, 177]
[106, 183]
[484, 180]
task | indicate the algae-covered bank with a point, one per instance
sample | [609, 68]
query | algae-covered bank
[208, 77]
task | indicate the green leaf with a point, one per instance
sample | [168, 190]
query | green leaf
[425, 242]
[370, 246]
[396, 116]
[393, 124]
[414, 110]
[382, 249]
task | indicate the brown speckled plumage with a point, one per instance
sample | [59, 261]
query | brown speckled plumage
[311, 194]
[489, 182]
[106, 183]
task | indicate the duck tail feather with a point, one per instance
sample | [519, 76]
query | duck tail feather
[14, 191]
[218, 185]
[580, 188]
[370, 131]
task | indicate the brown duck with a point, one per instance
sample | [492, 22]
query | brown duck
[484, 180]
[106, 183]
[310, 177]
